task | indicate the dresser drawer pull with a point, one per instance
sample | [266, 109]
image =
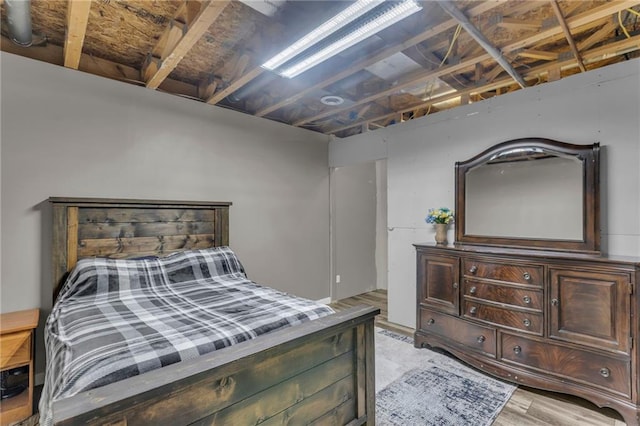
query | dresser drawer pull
[431, 321]
[473, 269]
[481, 339]
[473, 290]
[554, 302]
[517, 350]
[526, 322]
[605, 372]
[526, 300]
[526, 276]
[473, 310]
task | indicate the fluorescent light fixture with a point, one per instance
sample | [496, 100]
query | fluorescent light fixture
[389, 17]
[343, 18]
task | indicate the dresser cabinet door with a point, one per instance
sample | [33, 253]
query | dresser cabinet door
[590, 308]
[438, 282]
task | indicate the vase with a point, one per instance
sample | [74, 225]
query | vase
[441, 233]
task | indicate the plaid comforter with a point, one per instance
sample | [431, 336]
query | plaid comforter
[119, 318]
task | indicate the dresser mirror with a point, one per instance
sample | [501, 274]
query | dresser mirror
[534, 193]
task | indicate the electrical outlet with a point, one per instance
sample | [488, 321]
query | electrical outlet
[337, 279]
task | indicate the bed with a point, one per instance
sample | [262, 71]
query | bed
[318, 371]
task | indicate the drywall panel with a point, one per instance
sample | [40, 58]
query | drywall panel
[67, 133]
[382, 249]
[359, 149]
[354, 228]
[598, 106]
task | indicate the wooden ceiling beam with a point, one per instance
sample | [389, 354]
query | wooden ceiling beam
[178, 39]
[538, 54]
[54, 55]
[523, 7]
[598, 36]
[477, 35]
[596, 54]
[77, 18]
[409, 81]
[385, 53]
[235, 85]
[519, 24]
[597, 13]
[567, 34]
[239, 77]
[605, 10]
[491, 75]
[570, 7]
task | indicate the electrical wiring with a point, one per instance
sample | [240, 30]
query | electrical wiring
[624, 30]
[428, 90]
[635, 12]
[622, 27]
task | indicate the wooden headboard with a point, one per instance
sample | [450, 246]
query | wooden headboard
[121, 228]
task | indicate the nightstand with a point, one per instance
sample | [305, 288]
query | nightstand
[17, 331]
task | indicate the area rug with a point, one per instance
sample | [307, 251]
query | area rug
[436, 390]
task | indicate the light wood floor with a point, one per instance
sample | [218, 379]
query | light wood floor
[527, 406]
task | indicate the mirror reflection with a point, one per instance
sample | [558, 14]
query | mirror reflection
[526, 193]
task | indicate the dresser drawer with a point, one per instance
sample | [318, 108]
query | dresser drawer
[524, 321]
[609, 373]
[515, 296]
[475, 337]
[15, 349]
[519, 274]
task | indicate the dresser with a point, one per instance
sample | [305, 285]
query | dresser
[16, 350]
[557, 321]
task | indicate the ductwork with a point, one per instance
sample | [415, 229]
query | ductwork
[19, 20]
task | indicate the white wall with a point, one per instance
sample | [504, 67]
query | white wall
[598, 106]
[66, 133]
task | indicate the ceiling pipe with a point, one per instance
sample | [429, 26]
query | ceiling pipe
[19, 21]
[462, 19]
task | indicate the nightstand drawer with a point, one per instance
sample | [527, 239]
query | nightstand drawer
[15, 349]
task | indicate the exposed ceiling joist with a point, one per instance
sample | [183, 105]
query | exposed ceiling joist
[538, 54]
[519, 24]
[94, 65]
[582, 19]
[235, 85]
[603, 11]
[385, 53]
[598, 36]
[77, 18]
[412, 80]
[599, 53]
[179, 39]
[567, 34]
[408, 71]
[462, 19]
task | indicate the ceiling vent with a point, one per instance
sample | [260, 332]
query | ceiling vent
[331, 100]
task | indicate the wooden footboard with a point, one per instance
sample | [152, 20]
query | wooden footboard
[320, 372]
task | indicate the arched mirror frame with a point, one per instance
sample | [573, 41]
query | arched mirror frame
[589, 155]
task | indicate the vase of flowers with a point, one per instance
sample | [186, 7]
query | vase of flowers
[441, 218]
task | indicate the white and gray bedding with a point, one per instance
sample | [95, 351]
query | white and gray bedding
[119, 318]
